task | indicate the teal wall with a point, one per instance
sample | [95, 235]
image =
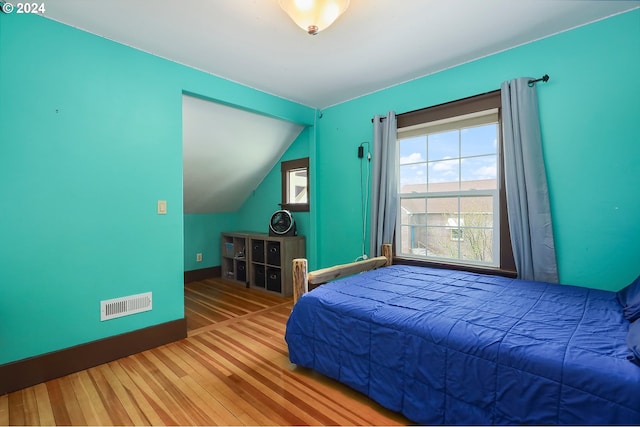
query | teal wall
[202, 235]
[589, 114]
[90, 139]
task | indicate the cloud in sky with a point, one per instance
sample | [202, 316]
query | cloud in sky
[411, 158]
[484, 167]
[445, 165]
[469, 154]
[485, 172]
[444, 170]
[413, 174]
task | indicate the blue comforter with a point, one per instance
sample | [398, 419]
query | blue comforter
[449, 347]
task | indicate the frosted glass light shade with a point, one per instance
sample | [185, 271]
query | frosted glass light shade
[314, 16]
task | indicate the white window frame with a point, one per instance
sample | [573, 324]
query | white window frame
[460, 122]
[289, 184]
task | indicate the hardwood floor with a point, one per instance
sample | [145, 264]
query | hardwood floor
[233, 369]
[216, 300]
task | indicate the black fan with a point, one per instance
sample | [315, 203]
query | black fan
[282, 224]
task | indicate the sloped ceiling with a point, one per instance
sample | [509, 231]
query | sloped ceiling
[227, 152]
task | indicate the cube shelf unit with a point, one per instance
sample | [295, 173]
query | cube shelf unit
[234, 263]
[260, 261]
[271, 262]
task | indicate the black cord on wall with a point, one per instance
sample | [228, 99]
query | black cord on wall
[365, 186]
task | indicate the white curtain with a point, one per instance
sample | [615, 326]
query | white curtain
[526, 183]
[384, 182]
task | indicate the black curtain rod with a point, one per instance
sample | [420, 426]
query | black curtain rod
[544, 79]
[531, 82]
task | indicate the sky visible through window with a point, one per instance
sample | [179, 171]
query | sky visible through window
[462, 154]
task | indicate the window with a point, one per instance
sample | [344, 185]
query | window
[456, 230]
[295, 185]
[452, 207]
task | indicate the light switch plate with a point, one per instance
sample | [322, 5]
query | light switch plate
[162, 207]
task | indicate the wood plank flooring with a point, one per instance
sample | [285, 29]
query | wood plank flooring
[216, 300]
[233, 369]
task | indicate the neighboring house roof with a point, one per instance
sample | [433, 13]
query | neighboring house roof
[446, 204]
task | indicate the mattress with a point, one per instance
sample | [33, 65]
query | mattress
[450, 347]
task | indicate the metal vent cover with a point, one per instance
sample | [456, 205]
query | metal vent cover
[124, 306]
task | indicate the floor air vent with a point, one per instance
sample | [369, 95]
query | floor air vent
[118, 307]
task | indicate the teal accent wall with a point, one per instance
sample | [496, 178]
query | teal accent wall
[90, 140]
[202, 235]
[589, 118]
[255, 213]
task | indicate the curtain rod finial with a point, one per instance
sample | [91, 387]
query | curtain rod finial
[544, 78]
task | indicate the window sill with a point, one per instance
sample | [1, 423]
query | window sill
[461, 267]
[295, 207]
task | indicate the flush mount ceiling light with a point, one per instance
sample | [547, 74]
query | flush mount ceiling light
[314, 16]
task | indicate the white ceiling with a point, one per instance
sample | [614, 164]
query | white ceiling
[253, 42]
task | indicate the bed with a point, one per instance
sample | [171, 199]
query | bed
[450, 347]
